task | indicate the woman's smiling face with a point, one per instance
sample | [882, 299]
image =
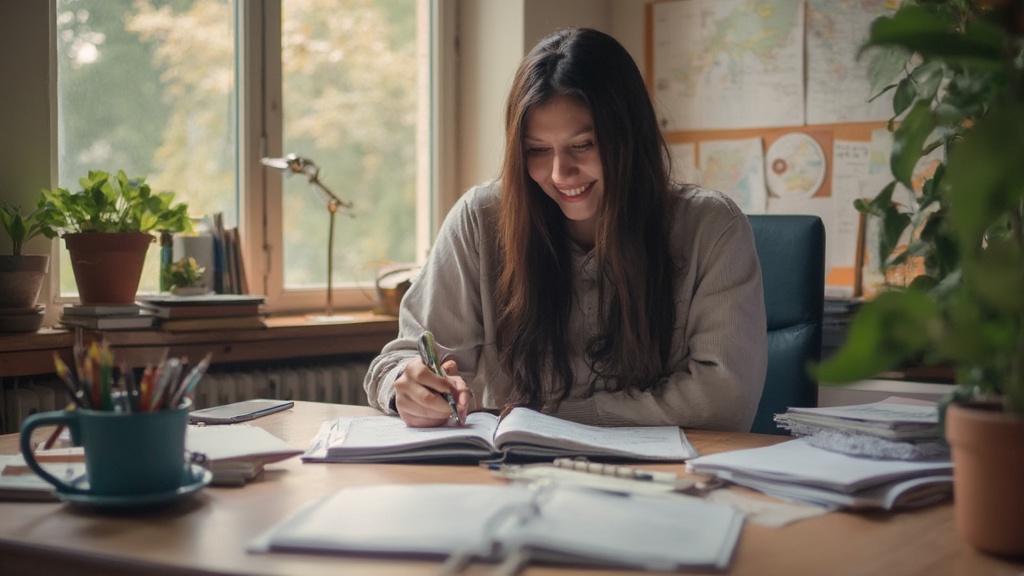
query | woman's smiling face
[563, 158]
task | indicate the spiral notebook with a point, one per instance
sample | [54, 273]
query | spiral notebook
[497, 523]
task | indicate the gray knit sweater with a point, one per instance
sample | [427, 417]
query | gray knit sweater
[716, 367]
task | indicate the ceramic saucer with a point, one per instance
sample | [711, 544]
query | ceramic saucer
[195, 480]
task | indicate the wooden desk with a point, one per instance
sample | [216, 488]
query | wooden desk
[207, 534]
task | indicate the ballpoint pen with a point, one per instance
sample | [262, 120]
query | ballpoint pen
[428, 352]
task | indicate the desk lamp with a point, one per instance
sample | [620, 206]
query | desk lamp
[292, 164]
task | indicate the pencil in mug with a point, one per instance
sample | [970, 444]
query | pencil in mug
[78, 396]
[189, 382]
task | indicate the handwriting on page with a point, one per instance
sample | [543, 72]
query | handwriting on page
[378, 431]
[644, 441]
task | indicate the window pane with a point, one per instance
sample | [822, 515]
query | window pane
[349, 100]
[148, 87]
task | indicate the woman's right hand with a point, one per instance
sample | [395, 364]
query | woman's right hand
[419, 395]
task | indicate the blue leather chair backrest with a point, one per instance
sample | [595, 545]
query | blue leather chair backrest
[792, 254]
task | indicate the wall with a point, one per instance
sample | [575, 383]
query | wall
[26, 129]
[493, 36]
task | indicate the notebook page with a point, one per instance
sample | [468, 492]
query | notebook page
[525, 426]
[434, 519]
[390, 435]
[581, 526]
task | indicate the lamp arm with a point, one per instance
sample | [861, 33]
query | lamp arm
[331, 197]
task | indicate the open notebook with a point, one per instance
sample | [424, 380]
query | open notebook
[553, 524]
[523, 433]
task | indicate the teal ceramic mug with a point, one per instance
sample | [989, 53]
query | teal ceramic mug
[125, 454]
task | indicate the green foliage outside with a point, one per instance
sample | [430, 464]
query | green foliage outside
[150, 86]
[964, 91]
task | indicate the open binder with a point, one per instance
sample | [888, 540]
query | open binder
[495, 523]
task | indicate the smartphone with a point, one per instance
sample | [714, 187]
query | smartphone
[239, 411]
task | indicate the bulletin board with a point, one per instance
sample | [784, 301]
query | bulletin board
[845, 279]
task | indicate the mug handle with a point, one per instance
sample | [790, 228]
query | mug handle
[43, 419]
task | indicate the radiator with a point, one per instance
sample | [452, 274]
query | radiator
[333, 383]
[23, 397]
[337, 383]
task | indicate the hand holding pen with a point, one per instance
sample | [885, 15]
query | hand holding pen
[428, 353]
[422, 394]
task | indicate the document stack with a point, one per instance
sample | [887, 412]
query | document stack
[236, 453]
[882, 455]
[206, 312]
[796, 470]
[105, 317]
[895, 428]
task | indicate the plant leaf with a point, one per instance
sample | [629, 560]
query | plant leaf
[908, 142]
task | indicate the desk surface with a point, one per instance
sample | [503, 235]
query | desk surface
[208, 532]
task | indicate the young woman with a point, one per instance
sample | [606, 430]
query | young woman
[583, 283]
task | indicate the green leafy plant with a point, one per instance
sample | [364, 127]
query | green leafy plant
[104, 205]
[21, 228]
[185, 273]
[964, 92]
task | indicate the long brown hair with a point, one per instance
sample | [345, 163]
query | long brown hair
[534, 291]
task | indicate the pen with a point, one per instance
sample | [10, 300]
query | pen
[79, 397]
[428, 352]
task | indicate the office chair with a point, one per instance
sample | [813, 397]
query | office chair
[792, 254]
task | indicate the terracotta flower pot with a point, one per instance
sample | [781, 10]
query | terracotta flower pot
[988, 476]
[21, 277]
[108, 265]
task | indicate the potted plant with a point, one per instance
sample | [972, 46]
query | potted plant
[107, 228]
[21, 275]
[184, 277]
[964, 92]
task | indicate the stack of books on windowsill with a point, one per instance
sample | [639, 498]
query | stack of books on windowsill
[205, 312]
[106, 317]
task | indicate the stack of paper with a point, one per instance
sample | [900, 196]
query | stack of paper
[19, 482]
[236, 453]
[895, 428]
[796, 470]
[554, 524]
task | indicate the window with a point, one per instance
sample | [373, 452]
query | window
[191, 93]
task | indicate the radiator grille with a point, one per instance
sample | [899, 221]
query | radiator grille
[337, 383]
[334, 383]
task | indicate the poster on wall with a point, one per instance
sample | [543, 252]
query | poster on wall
[723, 64]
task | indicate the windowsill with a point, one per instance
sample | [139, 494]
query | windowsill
[285, 337]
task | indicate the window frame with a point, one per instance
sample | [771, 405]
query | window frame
[261, 134]
[259, 192]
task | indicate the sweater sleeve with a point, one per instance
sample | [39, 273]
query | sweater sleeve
[715, 374]
[444, 298]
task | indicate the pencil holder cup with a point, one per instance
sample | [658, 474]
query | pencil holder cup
[125, 454]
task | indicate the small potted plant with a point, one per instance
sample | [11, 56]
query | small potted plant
[107, 227]
[184, 277]
[963, 91]
[21, 275]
